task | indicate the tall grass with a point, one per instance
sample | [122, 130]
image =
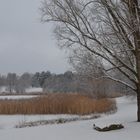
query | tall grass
[57, 104]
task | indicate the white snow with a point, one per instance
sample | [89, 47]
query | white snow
[3, 89]
[10, 121]
[80, 130]
[17, 96]
[33, 90]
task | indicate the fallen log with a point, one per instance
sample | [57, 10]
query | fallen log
[108, 128]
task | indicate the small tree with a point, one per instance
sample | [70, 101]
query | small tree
[23, 82]
[11, 82]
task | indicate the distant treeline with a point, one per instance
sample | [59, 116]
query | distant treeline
[68, 82]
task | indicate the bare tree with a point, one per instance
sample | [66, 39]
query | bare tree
[23, 82]
[11, 82]
[109, 29]
[90, 70]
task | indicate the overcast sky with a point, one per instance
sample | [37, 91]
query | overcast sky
[26, 45]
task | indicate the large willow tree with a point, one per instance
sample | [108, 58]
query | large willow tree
[109, 29]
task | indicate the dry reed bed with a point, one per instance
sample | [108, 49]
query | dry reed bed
[57, 104]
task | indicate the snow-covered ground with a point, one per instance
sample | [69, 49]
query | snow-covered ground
[3, 89]
[33, 90]
[17, 96]
[80, 130]
[10, 121]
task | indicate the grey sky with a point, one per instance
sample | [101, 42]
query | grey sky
[26, 45]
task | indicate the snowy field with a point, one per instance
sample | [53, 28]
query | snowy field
[80, 130]
[33, 90]
[17, 97]
[28, 90]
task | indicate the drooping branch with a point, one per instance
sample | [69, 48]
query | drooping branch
[111, 40]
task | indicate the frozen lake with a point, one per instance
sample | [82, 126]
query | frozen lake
[17, 96]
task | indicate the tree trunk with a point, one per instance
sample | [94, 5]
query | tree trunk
[138, 84]
[138, 103]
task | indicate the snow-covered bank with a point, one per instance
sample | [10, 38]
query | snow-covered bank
[82, 130]
[33, 90]
[17, 97]
[10, 121]
[56, 121]
[3, 90]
